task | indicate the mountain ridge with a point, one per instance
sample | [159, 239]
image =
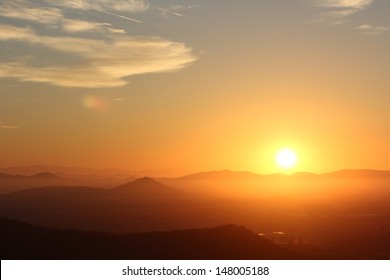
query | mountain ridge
[21, 240]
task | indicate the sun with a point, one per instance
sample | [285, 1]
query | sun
[286, 158]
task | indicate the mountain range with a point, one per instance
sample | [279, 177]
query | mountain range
[348, 208]
[143, 204]
[25, 241]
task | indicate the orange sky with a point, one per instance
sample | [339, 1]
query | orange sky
[195, 85]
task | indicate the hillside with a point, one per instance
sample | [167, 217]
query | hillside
[24, 241]
[143, 204]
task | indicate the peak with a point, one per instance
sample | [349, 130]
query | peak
[45, 175]
[148, 187]
[145, 180]
[222, 174]
[303, 175]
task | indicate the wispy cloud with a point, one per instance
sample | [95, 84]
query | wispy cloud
[104, 58]
[20, 10]
[338, 10]
[345, 4]
[78, 26]
[134, 6]
[5, 126]
[8, 32]
[375, 30]
[53, 14]
[103, 63]
[119, 16]
[176, 10]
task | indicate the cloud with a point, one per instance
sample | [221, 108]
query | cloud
[134, 6]
[103, 63]
[176, 10]
[51, 15]
[339, 10]
[4, 126]
[119, 16]
[345, 4]
[103, 58]
[8, 32]
[370, 29]
[79, 26]
[42, 15]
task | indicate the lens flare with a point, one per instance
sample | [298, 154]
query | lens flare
[93, 103]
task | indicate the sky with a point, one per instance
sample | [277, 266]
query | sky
[195, 85]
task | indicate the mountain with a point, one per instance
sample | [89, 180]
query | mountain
[10, 183]
[229, 184]
[144, 188]
[24, 241]
[45, 176]
[358, 174]
[85, 171]
[313, 210]
[143, 204]
[9, 177]
[224, 183]
[148, 187]
[34, 169]
[41, 176]
[222, 175]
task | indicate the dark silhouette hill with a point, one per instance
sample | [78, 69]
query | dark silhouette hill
[10, 177]
[247, 176]
[222, 175]
[10, 183]
[24, 241]
[143, 204]
[15, 182]
[144, 188]
[309, 186]
[323, 210]
[43, 175]
[34, 169]
[66, 171]
[148, 187]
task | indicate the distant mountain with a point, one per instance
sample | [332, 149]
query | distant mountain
[139, 205]
[10, 183]
[228, 183]
[356, 174]
[148, 187]
[85, 171]
[144, 188]
[244, 175]
[41, 176]
[303, 175]
[45, 176]
[24, 241]
[34, 169]
[222, 175]
[9, 177]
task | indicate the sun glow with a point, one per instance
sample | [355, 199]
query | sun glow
[286, 158]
